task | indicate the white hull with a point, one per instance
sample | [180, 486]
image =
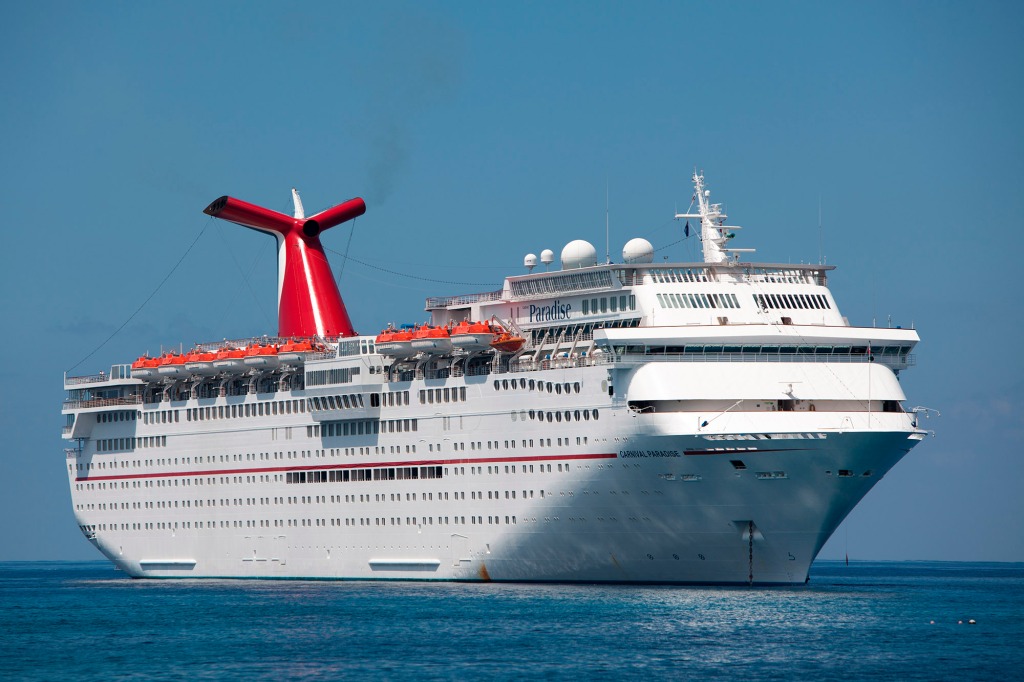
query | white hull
[396, 349]
[292, 359]
[606, 521]
[201, 368]
[432, 346]
[262, 361]
[630, 496]
[472, 342]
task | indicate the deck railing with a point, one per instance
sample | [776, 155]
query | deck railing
[90, 379]
[102, 402]
[465, 299]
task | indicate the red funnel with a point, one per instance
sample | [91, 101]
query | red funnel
[308, 300]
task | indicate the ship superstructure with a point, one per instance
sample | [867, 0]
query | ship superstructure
[707, 422]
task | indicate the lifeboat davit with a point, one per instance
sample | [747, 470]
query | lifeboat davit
[230, 360]
[199, 362]
[145, 368]
[294, 353]
[507, 343]
[470, 336]
[261, 357]
[172, 366]
[396, 343]
[432, 340]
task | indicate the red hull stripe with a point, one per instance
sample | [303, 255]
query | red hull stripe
[422, 462]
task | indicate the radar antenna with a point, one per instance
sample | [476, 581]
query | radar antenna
[714, 233]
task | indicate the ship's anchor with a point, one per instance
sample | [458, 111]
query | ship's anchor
[750, 534]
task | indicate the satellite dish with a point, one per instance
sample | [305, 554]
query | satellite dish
[638, 250]
[578, 253]
[547, 257]
[530, 261]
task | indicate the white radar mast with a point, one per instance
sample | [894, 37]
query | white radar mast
[714, 233]
[297, 200]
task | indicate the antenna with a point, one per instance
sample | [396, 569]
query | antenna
[607, 241]
[821, 237]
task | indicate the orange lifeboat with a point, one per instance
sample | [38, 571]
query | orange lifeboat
[229, 359]
[261, 357]
[293, 353]
[507, 343]
[172, 365]
[396, 343]
[472, 336]
[432, 340]
[200, 362]
[145, 368]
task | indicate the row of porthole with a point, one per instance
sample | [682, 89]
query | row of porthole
[533, 385]
[556, 416]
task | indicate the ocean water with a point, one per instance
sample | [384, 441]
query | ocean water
[898, 621]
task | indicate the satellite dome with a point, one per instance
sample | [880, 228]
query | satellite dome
[547, 256]
[638, 250]
[530, 261]
[578, 254]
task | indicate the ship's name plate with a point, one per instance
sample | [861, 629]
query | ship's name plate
[644, 454]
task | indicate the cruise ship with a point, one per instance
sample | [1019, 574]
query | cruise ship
[637, 421]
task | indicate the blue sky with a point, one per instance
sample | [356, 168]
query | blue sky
[479, 132]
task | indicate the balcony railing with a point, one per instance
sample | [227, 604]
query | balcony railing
[102, 402]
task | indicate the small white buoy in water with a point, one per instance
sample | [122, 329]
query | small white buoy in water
[959, 622]
[972, 622]
[932, 622]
